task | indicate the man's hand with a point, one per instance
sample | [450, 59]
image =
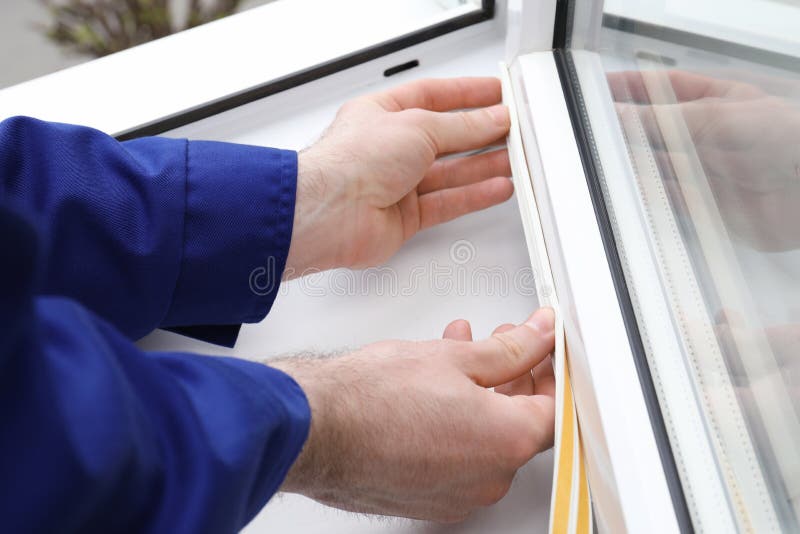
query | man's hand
[748, 142]
[411, 428]
[375, 178]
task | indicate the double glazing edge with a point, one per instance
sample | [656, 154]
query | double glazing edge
[574, 27]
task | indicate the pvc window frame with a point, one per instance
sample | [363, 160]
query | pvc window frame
[632, 471]
[198, 73]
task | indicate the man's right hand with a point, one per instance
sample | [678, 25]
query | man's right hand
[413, 429]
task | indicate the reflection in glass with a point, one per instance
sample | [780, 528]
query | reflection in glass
[713, 135]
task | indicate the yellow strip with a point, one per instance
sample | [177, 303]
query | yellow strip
[584, 511]
[563, 494]
[570, 510]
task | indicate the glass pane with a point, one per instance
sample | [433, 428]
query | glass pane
[708, 105]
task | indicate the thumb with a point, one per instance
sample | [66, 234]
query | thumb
[507, 355]
[460, 330]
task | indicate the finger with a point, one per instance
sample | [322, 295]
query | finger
[459, 330]
[689, 86]
[503, 388]
[627, 87]
[785, 336]
[455, 172]
[699, 116]
[447, 204]
[459, 131]
[523, 383]
[540, 412]
[644, 122]
[540, 381]
[631, 86]
[544, 379]
[505, 327]
[442, 94]
[507, 355]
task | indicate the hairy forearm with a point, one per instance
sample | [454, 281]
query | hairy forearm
[318, 467]
[411, 428]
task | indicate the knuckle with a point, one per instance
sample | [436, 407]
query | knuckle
[415, 116]
[467, 119]
[350, 106]
[423, 122]
[448, 176]
[421, 88]
[472, 352]
[513, 350]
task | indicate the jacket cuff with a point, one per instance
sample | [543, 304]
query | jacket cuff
[237, 230]
[285, 423]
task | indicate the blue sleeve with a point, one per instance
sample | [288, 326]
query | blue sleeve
[97, 436]
[153, 232]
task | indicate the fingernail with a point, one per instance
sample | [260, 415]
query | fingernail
[543, 321]
[500, 114]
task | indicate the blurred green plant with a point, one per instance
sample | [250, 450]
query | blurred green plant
[102, 27]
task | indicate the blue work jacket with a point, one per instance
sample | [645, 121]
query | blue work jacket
[100, 243]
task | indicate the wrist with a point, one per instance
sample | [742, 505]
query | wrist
[315, 244]
[314, 471]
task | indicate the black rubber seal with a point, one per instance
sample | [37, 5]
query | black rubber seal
[561, 26]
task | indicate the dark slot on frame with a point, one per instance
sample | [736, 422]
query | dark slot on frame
[401, 67]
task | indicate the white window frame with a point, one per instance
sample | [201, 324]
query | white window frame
[626, 475]
[631, 468]
[199, 72]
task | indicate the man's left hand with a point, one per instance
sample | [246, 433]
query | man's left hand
[375, 178]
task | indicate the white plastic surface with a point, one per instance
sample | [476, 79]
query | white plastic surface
[530, 27]
[626, 477]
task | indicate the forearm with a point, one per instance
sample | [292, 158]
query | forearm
[410, 428]
[317, 468]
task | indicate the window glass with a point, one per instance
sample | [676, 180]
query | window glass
[707, 100]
